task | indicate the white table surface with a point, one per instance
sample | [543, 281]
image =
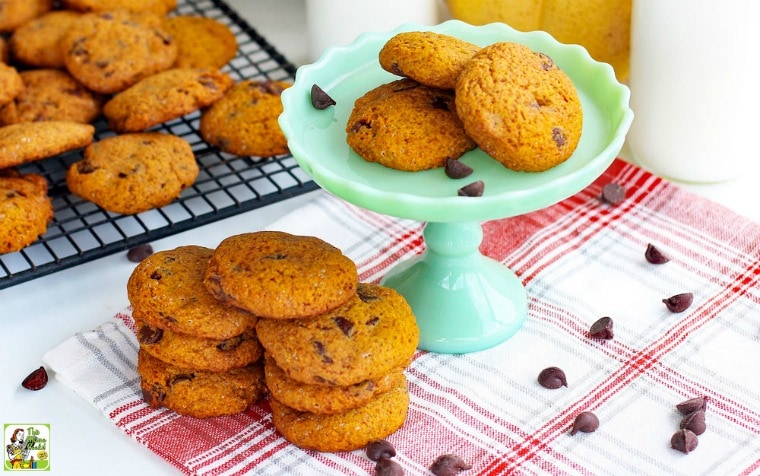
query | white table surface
[37, 315]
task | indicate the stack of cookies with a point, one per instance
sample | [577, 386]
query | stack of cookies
[335, 349]
[197, 356]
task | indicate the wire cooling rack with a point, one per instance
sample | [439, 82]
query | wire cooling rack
[227, 185]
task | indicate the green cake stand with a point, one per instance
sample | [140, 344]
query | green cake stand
[463, 300]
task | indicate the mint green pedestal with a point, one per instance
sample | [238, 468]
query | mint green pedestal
[463, 301]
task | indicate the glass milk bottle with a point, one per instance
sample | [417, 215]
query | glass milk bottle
[693, 88]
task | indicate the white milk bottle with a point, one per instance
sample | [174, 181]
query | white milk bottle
[339, 22]
[694, 89]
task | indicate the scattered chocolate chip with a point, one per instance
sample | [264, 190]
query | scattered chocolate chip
[694, 421]
[552, 377]
[679, 302]
[320, 99]
[684, 441]
[602, 329]
[655, 256]
[691, 405]
[448, 465]
[455, 169]
[475, 189]
[613, 193]
[388, 467]
[149, 335]
[276, 256]
[380, 449]
[155, 396]
[585, 422]
[139, 252]
[36, 380]
[372, 321]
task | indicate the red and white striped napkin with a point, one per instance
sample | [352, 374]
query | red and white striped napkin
[580, 260]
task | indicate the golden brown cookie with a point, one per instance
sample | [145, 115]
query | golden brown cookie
[25, 209]
[354, 429]
[158, 7]
[110, 51]
[165, 96]
[373, 334]
[519, 107]
[132, 173]
[430, 58]
[14, 13]
[11, 84]
[215, 355]
[199, 393]
[244, 121]
[38, 42]
[168, 287]
[51, 95]
[325, 399]
[202, 42]
[406, 126]
[28, 141]
[280, 276]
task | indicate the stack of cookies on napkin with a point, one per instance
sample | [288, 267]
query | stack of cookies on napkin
[197, 356]
[335, 348]
[270, 312]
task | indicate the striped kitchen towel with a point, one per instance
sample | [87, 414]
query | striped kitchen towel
[580, 260]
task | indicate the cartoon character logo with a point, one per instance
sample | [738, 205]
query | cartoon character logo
[27, 447]
[18, 452]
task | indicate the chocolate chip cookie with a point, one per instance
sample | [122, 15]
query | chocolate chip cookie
[244, 121]
[25, 208]
[11, 84]
[373, 334]
[277, 275]
[182, 350]
[202, 42]
[407, 126]
[325, 399]
[132, 173]
[158, 7]
[348, 431]
[519, 107]
[199, 393]
[165, 96]
[52, 95]
[29, 141]
[430, 58]
[38, 42]
[110, 51]
[168, 287]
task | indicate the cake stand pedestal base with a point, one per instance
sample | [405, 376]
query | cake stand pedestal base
[463, 300]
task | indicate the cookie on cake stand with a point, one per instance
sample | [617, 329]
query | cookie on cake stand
[463, 300]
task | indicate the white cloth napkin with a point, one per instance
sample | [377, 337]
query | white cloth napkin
[580, 260]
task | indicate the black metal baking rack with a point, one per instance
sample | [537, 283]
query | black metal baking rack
[227, 185]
